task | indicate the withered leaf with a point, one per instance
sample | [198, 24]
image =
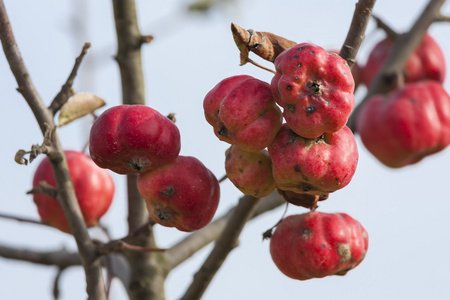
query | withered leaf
[264, 44]
[78, 106]
[20, 157]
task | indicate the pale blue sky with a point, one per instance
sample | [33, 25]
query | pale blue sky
[404, 211]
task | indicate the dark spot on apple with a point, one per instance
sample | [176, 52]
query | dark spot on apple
[310, 109]
[289, 87]
[305, 187]
[260, 162]
[299, 65]
[162, 214]
[299, 48]
[296, 56]
[292, 136]
[296, 77]
[240, 170]
[223, 131]
[290, 108]
[297, 168]
[262, 112]
[312, 52]
[169, 191]
[306, 232]
[323, 246]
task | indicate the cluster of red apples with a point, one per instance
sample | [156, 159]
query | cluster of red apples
[413, 120]
[179, 191]
[289, 135]
[313, 153]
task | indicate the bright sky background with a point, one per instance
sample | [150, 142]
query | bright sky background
[404, 211]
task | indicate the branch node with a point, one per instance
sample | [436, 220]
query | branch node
[145, 39]
[45, 189]
[385, 27]
[47, 147]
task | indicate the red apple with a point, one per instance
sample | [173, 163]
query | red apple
[183, 194]
[94, 188]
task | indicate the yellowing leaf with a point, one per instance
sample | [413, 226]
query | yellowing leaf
[78, 106]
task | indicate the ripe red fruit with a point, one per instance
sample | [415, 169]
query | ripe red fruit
[183, 194]
[133, 138]
[406, 125]
[317, 244]
[426, 62]
[313, 166]
[243, 112]
[94, 188]
[356, 69]
[250, 172]
[315, 89]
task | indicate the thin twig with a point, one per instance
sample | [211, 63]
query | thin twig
[120, 246]
[60, 258]
[22, 219]
[223, 178]
[66, 91]
[385, 27]
[56, 290]
[188, 246]
[224, 244]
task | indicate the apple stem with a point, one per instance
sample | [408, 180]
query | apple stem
[268, 233]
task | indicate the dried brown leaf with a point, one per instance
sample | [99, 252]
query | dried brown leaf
[264, 44]
[78, 106]
[20, 157]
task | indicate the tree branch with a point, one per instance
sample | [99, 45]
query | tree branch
[356, 32]
[21, 219]
[146, 278]
[224, 244]
[120, 246]
[187, 247]
[66, 194]
[59, 258]
[402, 49]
